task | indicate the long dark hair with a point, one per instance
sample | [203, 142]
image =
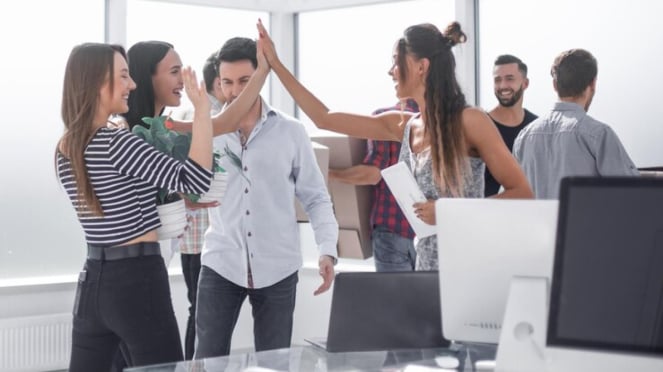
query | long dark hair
[144, 57]
[444, 99]
[89, 67]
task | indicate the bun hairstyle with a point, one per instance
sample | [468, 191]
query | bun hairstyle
[444, 100]
[454, 34]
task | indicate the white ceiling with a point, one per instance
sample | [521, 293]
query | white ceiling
[283, 6]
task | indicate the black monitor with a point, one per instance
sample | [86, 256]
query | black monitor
[607, 283]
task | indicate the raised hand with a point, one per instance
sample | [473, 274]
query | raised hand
[195, 90]
[266, 45]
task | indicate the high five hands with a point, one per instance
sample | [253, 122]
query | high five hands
[266, 45]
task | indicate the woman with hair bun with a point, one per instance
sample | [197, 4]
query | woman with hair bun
[446, 146]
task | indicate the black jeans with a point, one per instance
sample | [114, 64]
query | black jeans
[124, 300]
[219, 304]
[191, 272]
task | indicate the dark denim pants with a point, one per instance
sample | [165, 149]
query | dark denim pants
[392, 252]
[219, 304]
[125, 300]
[191, 272]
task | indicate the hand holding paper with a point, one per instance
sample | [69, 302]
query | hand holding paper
[402, 184]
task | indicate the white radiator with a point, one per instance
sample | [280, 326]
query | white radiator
[35, 343]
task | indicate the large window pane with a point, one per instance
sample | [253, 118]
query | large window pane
[623, 36]
[345, 53]
[39, 233]
[195, 31]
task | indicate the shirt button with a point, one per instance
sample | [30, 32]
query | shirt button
[245, 168]
[249, 233]
[246, 190]
[246, 148]
[247, 213]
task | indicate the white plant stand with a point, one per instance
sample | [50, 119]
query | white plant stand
[173, 219]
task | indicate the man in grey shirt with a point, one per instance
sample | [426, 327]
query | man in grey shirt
[567, 141]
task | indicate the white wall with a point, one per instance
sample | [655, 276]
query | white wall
[311, 312]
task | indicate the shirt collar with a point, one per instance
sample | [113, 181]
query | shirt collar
[568, 106]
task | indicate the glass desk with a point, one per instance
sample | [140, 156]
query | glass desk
[314, 359]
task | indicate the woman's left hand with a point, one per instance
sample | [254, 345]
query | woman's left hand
[195, 90]
[425, 211]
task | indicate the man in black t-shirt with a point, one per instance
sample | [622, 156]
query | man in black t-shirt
[510, 81]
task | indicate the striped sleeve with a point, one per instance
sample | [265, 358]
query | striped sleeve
[132, 156]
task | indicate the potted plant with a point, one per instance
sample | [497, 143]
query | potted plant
[171, 207]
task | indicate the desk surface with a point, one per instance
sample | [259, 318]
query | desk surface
[313, 359]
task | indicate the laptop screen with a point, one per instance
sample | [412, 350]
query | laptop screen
[385, 311]
[607, 287]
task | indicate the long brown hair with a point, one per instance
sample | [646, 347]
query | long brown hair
[444, 100]
[89, 67]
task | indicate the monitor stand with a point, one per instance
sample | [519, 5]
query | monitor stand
[522, 345]
[523, 337]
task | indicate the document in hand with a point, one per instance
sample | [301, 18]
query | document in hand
[402, 184]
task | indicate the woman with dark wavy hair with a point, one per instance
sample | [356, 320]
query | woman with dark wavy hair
[446, 146]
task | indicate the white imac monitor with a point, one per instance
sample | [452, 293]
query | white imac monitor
[482, 244]
[606, 300]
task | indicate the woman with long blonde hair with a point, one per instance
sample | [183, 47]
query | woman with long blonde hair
[111, 178]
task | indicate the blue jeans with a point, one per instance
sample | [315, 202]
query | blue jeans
[219, 304]
[126, 301]
[392, 252]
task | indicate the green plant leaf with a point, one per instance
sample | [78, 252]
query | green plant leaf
[174, 144]
[236, 161]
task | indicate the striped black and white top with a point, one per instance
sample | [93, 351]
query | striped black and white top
[126, 172]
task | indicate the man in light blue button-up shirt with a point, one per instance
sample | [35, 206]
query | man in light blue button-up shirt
[567, 141]
[252, 247]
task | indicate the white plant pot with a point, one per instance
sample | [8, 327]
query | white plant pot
[173, 219]
[217, 188]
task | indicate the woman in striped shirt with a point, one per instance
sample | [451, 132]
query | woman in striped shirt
[111, 178]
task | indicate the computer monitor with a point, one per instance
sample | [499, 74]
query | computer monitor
[606, 301]
[482, 244]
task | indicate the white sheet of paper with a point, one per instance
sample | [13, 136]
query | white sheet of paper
[402, 184]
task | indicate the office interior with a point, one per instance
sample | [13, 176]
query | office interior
[340, 49]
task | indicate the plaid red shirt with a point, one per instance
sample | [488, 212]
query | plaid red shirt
[382, 154]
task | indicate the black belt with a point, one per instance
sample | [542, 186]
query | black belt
[95, 252]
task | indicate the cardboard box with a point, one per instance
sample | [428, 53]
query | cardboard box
[352, 204]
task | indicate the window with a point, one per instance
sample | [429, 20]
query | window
[623, 36]
[39, 233]
[344, 54]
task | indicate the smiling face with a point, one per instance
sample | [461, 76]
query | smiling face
[509, 84]
[167, 81]
[114, 95]
[407, 74]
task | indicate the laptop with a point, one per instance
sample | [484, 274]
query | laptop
[373, 311]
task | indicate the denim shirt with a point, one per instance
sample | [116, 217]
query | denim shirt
[568, 142]
[256, 221]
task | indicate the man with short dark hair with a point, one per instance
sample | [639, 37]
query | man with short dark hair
[509, 83]
[252, 245]
[567, 141]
